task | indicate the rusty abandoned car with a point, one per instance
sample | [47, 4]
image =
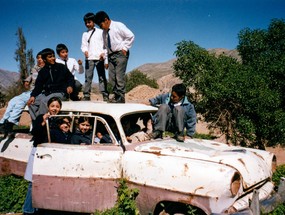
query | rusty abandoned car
[210, 176]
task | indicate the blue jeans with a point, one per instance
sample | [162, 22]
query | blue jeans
[15, 108]
[28, 207]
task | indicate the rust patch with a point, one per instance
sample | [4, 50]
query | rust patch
[186, 168]
[155, 148]
[9, 166]
[240, 160]
[198, 188]
[258, 155]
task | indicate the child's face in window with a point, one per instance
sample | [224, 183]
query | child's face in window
[84, 127]
[54, 108]
[64, 127]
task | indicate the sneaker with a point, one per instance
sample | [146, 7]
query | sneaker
[155, 134]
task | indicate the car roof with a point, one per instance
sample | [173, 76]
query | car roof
[113, 109]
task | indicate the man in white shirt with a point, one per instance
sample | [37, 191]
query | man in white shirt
[73, 66]
[118, 39]
[92, 47]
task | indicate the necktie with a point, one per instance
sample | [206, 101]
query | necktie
[109, 40]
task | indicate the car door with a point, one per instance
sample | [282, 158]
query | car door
[77, 178]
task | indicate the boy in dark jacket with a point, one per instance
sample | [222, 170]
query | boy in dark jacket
[54, 80]
[175, 113]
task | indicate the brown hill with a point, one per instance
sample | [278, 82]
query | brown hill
[7, 79]
[158, 70]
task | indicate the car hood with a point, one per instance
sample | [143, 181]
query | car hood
[253, 165]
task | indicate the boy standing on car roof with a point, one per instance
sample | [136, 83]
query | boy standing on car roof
[95, 55]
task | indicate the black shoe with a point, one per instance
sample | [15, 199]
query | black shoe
[6, 127]
[9, 126]
[85, 98]
[2, 128]
[155, 134]
[180, 138]
[121, 100]
[106, 98]
[117, 100]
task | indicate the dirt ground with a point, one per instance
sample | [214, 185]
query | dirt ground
[142, 93]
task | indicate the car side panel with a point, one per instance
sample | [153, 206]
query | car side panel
[191, 178]
[76, 178]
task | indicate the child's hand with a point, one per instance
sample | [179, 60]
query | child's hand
[31, 101]
[69, 90]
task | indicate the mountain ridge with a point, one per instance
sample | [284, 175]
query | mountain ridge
[162, 72]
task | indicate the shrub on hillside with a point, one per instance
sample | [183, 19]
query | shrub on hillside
[136, 78]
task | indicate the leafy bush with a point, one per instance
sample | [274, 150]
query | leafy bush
[280, 172]
[136, 78]
[12, 193]
[125, 203]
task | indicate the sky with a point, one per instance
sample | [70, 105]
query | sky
[158, 25]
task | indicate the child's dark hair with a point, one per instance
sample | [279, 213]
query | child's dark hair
[89, 16]
[180, 89]
[52, 99]
[100, 17]
[39, 54]
[46, 52]
[61, 47]
[84, 119]
[63, 120]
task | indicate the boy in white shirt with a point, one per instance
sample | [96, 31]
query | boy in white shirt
[92, 47]
[73, 66]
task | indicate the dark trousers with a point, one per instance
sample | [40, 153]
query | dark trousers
[169, 120]
[117, 71]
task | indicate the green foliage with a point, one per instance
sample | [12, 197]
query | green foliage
[125, 203]
[280, 172]
[244, 100]
[24, 57]
[136, 78]
[12, 193]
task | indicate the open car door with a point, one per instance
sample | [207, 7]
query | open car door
[77, 178]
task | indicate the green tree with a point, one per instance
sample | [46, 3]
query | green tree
[136, 78]
[244, 100]
[24, 57]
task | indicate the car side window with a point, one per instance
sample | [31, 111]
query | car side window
[83, 129]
